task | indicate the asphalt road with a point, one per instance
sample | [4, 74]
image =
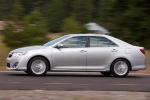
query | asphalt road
[74, 82]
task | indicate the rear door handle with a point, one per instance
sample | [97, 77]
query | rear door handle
[82, 51]
[114, 50]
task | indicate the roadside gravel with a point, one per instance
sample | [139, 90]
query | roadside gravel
[72, 95]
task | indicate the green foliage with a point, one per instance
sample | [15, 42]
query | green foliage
[55, 13]
[35, 19]
[70, 25]
[83, 10]
[125, 19]
[18, 11]
[133, 22]
[83, 29]
[5, 9]
[30, 5]
[104, 15]
[32, 32]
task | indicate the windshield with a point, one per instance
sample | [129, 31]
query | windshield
[55, 40]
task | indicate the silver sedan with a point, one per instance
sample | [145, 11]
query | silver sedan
[79, 52]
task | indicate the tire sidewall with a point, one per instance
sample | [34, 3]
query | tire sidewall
[113, 70]
[29, 69]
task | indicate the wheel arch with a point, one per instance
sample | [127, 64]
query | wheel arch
[42, 57]
[123, 59]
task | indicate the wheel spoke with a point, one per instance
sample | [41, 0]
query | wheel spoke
[120, 68]
[38, 66]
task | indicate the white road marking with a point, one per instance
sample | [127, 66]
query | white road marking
[58, 83]
[38, 90]
[124, 84]
[15, 82]
[10, 82]
[131, 84]
[63, 84]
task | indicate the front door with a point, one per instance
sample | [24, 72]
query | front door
[72, 56]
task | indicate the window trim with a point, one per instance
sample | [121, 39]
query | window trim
[86, 40]
[100, 37]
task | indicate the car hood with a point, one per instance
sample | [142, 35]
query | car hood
[30, 48]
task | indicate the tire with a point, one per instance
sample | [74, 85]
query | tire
[38, 66]
[120, 68]
[106, 73]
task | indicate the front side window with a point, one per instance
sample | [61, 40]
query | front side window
[96, 41]
[75, 42]
[56, 40]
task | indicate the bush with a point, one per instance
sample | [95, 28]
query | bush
[33, 31]
[70, 25]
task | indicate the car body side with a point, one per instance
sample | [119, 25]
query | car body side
[125, 51]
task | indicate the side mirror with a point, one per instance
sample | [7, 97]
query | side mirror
[58, 46]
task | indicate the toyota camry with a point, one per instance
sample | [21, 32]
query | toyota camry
[81, 53]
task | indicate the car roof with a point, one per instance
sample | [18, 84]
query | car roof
[86, 34]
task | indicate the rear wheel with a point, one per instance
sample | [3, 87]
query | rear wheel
[38, 66]
[106, 73]
[120, 68]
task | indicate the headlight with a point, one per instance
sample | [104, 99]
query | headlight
[16, 54]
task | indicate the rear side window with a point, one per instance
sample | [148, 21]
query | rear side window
[97, 41]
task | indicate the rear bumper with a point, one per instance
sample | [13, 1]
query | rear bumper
[138, 63]
[138, 67]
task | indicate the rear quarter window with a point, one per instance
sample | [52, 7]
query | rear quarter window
[97, 41]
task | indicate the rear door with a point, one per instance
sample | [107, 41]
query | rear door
[100, 52]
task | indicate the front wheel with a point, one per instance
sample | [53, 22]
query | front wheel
[120, 68]
[38, 66]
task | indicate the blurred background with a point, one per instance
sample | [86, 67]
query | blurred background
[34, 22]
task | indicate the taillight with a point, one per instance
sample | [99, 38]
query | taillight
[143, 51]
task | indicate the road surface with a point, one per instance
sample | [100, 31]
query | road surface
[75, 81]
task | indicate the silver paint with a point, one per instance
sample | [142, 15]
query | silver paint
[80, 59]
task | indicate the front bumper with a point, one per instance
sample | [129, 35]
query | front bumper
[17, 63]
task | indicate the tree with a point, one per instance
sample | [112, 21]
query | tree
[55, 13]
[68, 7]
[32, 32]
[30, 5]
[104, 15]
[83, 10]
[18, 11]
[133, 24]
[70, 25]
[5, 9]
[126, 19]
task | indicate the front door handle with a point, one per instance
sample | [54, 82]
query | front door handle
[82, 51]
[114, 50]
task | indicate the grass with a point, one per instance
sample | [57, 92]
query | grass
[5, 50]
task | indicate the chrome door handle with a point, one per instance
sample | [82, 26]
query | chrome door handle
[82, 51]
[114, 50]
